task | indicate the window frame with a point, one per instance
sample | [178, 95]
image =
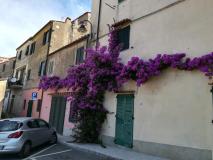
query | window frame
[51, 67]
[126, 30]
[31, 122]
[32, 48]
[46, 124]
[79, 61]
[41, 71]
[46, 37]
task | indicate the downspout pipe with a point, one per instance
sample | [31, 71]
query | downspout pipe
[45, 66]
[99, 19]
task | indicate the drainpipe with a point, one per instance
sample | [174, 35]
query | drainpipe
[99, 19]
[45, 67]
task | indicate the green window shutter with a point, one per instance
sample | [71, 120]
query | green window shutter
[123, 37]
[80, 55]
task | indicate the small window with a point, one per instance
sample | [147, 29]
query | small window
[33, 124]
[73, 114]
[28, 74]
[42, 69]
[24, 105]
[46, 37]
[119, 1]
[123, 37]
[32, 48]
[39, 105]
[42, 124]
[50, 67]
[79, 55]
[27, 50]
[19, 55]
[3, 67]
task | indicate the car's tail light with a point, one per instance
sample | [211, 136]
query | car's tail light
[16, 134]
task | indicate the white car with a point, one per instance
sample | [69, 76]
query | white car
[20, 135]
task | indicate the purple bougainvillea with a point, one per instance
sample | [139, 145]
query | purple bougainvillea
[103, 71]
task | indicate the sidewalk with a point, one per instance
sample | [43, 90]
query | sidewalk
[120, 153]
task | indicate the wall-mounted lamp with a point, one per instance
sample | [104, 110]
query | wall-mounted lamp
[83, 28]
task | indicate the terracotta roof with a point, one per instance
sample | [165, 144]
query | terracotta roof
[122, 22]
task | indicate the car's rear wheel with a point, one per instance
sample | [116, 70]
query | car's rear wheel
[54, 138]
[25, 151]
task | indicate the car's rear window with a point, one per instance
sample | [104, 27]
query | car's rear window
[9, 125]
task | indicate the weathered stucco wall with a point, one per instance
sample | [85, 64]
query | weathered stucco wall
[3, 85]
[67, 56]
[174, 108]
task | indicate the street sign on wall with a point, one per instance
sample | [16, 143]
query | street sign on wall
[34, 96]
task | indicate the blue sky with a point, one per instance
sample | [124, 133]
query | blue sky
[20, 19]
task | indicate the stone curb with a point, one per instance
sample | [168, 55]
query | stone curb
[88, 150]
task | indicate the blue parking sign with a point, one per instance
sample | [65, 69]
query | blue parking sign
[34, 96]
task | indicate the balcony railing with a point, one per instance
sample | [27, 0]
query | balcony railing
[15, 85]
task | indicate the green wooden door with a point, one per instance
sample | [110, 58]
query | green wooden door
[30, 108]
[57, 113]
[124, 120]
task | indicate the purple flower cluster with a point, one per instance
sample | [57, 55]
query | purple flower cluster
[141, 71]
[103, 71]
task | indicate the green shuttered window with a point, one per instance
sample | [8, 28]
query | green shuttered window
[123, 37]
[79, 55]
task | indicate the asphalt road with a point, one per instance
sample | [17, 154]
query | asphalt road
[57, 152]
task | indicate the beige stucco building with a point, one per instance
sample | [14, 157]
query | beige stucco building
[173, 112]
[6, 71]
[34, 60]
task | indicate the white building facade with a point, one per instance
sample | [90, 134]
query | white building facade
[171, 115]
